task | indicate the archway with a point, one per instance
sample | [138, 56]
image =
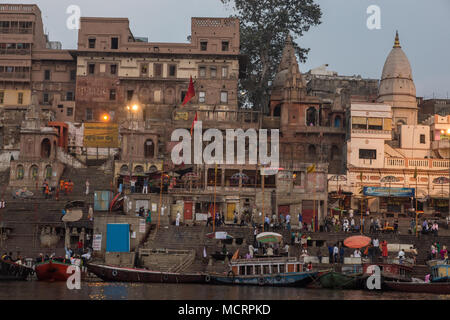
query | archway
[312, 151]
[20, 172]
[46, 148]
[149, 149]
[311, 116]
[34, 170]
[334, 153]
[48, 172]
[277, 111]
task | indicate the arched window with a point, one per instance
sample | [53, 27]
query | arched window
[337, 122]
[46, 148]
[48, 172]
[139, 169]
[20, 172]
[34, 172]
[311, 116]
[149, 149]
[124, 169]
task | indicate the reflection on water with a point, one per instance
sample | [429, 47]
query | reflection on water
[31, 290]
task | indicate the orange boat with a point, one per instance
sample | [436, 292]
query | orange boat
[52, 270]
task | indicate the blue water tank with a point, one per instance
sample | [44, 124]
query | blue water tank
[117, 237]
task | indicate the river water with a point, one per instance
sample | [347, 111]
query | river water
[36, 290]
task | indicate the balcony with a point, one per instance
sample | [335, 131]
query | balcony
[16, 30]
[424, 164]
[21, 52]
[15, 76]
[320, 129]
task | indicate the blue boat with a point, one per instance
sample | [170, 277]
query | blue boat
[440, 273]
[281, 272]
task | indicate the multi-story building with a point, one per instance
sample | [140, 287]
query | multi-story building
[431, 107]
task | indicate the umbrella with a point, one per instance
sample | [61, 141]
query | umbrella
[357, 242]
[267, 237]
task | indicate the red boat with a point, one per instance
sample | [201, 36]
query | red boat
[391, 271]
[52, 270]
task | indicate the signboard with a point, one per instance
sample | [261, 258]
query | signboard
[97, 242]
[141, 225]
[181, 116]
[201, 217]
[141, 204]
[102, 135]
[389, 192]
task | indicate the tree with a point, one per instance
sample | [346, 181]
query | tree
[264, 26]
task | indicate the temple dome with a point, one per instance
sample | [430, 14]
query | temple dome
[396, 78]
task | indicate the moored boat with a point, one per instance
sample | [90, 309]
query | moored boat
[339, 280]
[419, 287]
[266, 272]
[13, 271]
[390, 271]
[440, 272]
[52, 270]
[119, 274]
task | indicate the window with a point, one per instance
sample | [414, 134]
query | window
[2, 97]
[69, 112]
[47, 75]
[359, 123]
[73, 74]
[144, 69]
[172, 70]
[204, 45]
[213, 72]
[224, 72]
[375, 123]
[46, 98]
[91, 68]
[89, 114]
[112, 94]
[201, 97]
[311, 116]
[69, 96]
[422, 139]
[202, 72]
[114, 43]
[224, 97]
[92, 43]
[113, 68]
[183, 95]
[367, 154]
[225, 45]
[130, 95]
[297, 178]
[20, 98]
[158, 70]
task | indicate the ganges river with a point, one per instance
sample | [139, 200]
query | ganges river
[36, 290]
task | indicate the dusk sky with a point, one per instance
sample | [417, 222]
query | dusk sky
[342, 40]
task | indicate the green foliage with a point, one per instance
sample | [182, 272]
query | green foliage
[264, 26]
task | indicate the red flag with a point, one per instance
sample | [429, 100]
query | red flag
[193, 122]
[190, 94]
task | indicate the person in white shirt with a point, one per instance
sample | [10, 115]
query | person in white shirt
[352, 224]
[177, 222]
[345, 225]
[357, 253]
[401, 256]
[336, 253]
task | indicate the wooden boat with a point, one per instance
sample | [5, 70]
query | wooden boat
[13, 271]
[419, 287]
[339, 280]
[266, 272]
[390, 271]
[52, 270]
[118, 274]
[440, 273]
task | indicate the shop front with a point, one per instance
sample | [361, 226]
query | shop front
[438, 205]
[393, 200]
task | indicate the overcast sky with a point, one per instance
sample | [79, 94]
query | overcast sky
[342, 40]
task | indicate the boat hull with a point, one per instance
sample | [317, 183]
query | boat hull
[301, 279]
[52, 271]
[117, 274]
[436, 288]
[10, 271]
[337, 280]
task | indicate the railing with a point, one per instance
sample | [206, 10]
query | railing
[21, 7]
[438, 164]
[14, 75]
[15, 51]
[185, 262]
[387, 132]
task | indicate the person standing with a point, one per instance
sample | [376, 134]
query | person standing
[133, 185]
[376, 247]
[149, 216]
[336, 254]
[87, 186]
[330, 254]
[90, 213]
[145, 188]
[342, 254]
[177, 221]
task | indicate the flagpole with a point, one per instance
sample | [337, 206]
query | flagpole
[415, 173]
[262, 176]
[314, 202]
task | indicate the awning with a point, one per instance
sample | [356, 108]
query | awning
[375, 121]
[359, 120]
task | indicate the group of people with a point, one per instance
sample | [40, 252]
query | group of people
[9, 257]
[64, 186]
[274, 223]
[429, 227]
[438, 252]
